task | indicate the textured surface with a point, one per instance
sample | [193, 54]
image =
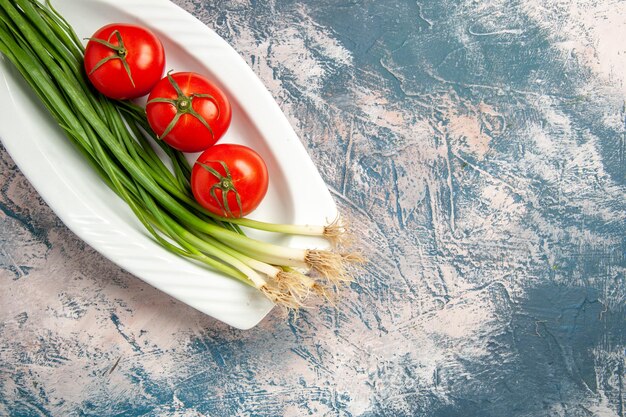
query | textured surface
[478, 148]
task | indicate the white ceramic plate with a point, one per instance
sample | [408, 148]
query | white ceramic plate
[297, 194]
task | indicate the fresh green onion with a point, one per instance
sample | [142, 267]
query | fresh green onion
[116, 140]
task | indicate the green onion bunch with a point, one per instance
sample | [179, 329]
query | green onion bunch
[115, 138]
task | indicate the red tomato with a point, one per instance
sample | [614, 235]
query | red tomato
[124, 61]
[234, 171]
[188, 111]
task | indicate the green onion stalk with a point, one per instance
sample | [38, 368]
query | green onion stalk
[115, 139]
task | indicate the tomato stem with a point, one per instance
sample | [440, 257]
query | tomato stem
[184, 105]
[225, 184]
[120, 53]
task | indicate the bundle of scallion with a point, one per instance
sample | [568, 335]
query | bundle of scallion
[114, 137]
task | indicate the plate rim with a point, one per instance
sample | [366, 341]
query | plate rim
[166, 15]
